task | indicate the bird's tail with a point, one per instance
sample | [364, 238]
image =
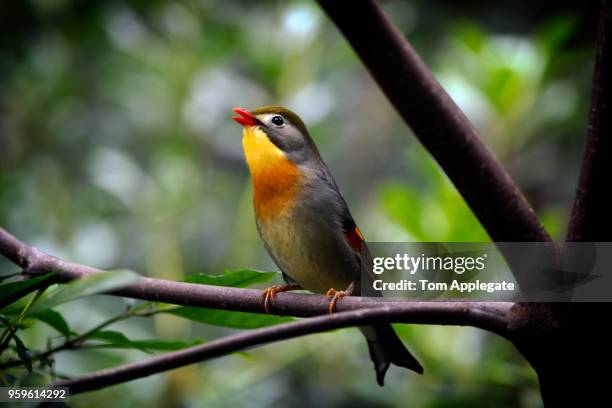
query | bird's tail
[386, 348]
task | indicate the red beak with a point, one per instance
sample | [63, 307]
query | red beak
[246, 118]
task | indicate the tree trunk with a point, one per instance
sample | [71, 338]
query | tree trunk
[568, 348]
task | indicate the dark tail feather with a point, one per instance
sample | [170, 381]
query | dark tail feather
[386, 348]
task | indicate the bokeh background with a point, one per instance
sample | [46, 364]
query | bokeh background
[116, 150]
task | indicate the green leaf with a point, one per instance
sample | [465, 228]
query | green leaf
[116, 339]
[112, 337]
[240, 278]
[21, 288]
[10, 275]
[4, 321]
[55, 320]
[472, 36]
[36, 378]
[90, 285]
[24, 324]
[23, 353]
[235, 320]
[552, 35]
[165, 345]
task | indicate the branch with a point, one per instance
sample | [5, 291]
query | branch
[591, 216]
[492, 316]
[428, 313]
[436, 121]
[34, 261]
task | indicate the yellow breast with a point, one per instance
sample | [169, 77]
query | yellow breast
[275, 178]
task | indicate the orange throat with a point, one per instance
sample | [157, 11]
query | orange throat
[276, 180]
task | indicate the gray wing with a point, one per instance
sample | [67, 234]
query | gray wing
[353, 237]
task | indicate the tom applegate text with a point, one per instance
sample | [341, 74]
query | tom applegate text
[454, 285]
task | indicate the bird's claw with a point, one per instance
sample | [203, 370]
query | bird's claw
[268, 295]
[330, 293]
[335, 296]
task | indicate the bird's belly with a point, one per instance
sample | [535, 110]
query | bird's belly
[314, 261]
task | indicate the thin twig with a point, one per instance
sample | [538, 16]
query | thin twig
[69, 344]
[13, 328]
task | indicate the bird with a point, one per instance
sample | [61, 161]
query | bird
[306, 226]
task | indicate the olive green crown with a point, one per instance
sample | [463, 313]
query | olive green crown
[284, 112]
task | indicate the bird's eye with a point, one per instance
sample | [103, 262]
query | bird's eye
[278, 121]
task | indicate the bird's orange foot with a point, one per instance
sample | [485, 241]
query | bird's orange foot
[335, 295]
[269, 293]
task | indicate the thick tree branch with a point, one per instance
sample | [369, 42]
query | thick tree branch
[35, 261]
[429, 313]
[492, 316]
[592, 213]
[437, 121]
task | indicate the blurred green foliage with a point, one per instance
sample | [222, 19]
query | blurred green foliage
[117, 151]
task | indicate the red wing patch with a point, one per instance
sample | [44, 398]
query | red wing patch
[354, 239]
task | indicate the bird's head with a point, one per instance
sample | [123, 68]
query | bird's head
[274, 131]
